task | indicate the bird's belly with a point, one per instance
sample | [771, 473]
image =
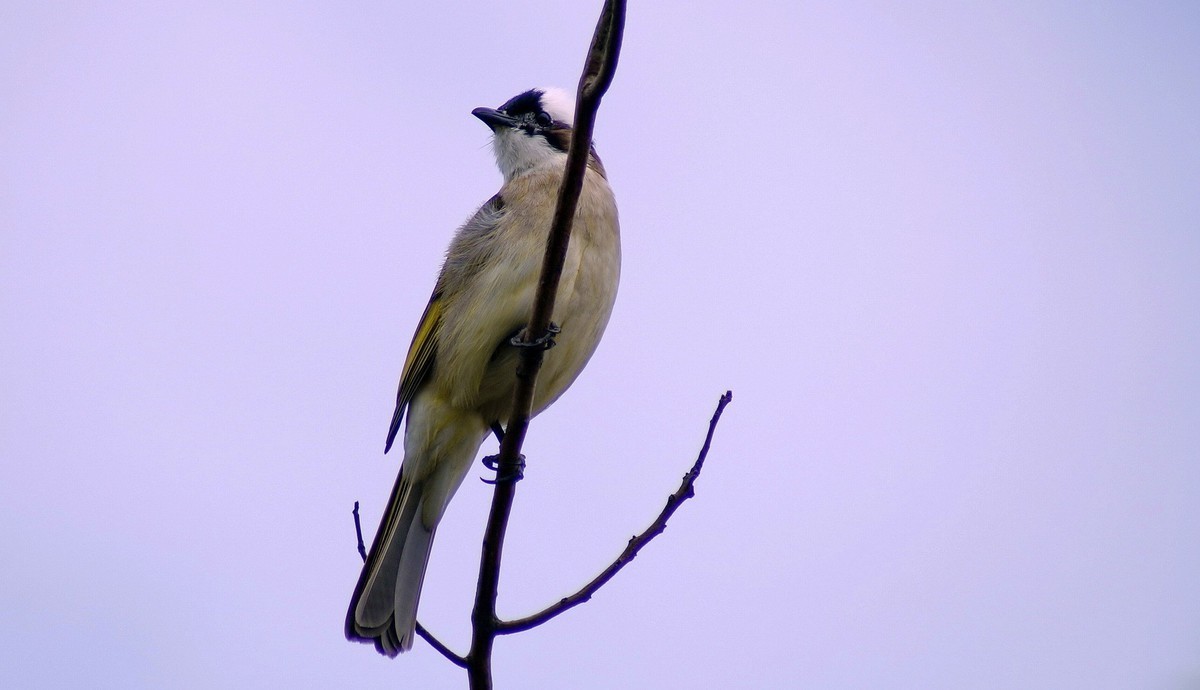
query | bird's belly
[581, 312]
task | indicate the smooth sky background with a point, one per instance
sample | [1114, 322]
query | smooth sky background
[946, 255]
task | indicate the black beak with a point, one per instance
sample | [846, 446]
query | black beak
[494, 118]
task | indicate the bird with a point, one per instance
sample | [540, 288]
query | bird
[458, 378]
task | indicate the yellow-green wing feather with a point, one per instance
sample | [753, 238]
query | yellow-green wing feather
[418, 364]
[462, 262]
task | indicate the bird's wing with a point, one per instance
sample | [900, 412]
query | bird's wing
[418, 363]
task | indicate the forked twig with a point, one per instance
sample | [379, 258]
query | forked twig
[598, 74]
[685, 491]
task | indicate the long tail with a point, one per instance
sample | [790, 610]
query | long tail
[383, 609]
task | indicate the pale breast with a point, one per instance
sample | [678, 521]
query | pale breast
[586, 294]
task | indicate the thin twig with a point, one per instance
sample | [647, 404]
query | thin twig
[597, 75]
[686, 490]
[445, 651]
[433, 641]
[362, 548]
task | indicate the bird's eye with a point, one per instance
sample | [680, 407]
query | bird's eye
[543, 118]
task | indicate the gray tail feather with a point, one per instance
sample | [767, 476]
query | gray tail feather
[383, 609]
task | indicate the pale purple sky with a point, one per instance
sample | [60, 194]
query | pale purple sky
[946, 255]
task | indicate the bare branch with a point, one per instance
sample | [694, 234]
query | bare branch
[362, 548]
[597, 76]
[599, 69]
[445, 651]
[685, 491]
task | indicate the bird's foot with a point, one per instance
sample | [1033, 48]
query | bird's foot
[492, 462]
[545, 342]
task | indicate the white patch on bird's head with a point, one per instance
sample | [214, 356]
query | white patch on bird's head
[559, 103]
[538, 140]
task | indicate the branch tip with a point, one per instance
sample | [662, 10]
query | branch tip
[635, 544]
[362, 548]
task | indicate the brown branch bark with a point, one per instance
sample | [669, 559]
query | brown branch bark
[597, 76]
[685, 491]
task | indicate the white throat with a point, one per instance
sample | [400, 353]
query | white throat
[517, 153]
